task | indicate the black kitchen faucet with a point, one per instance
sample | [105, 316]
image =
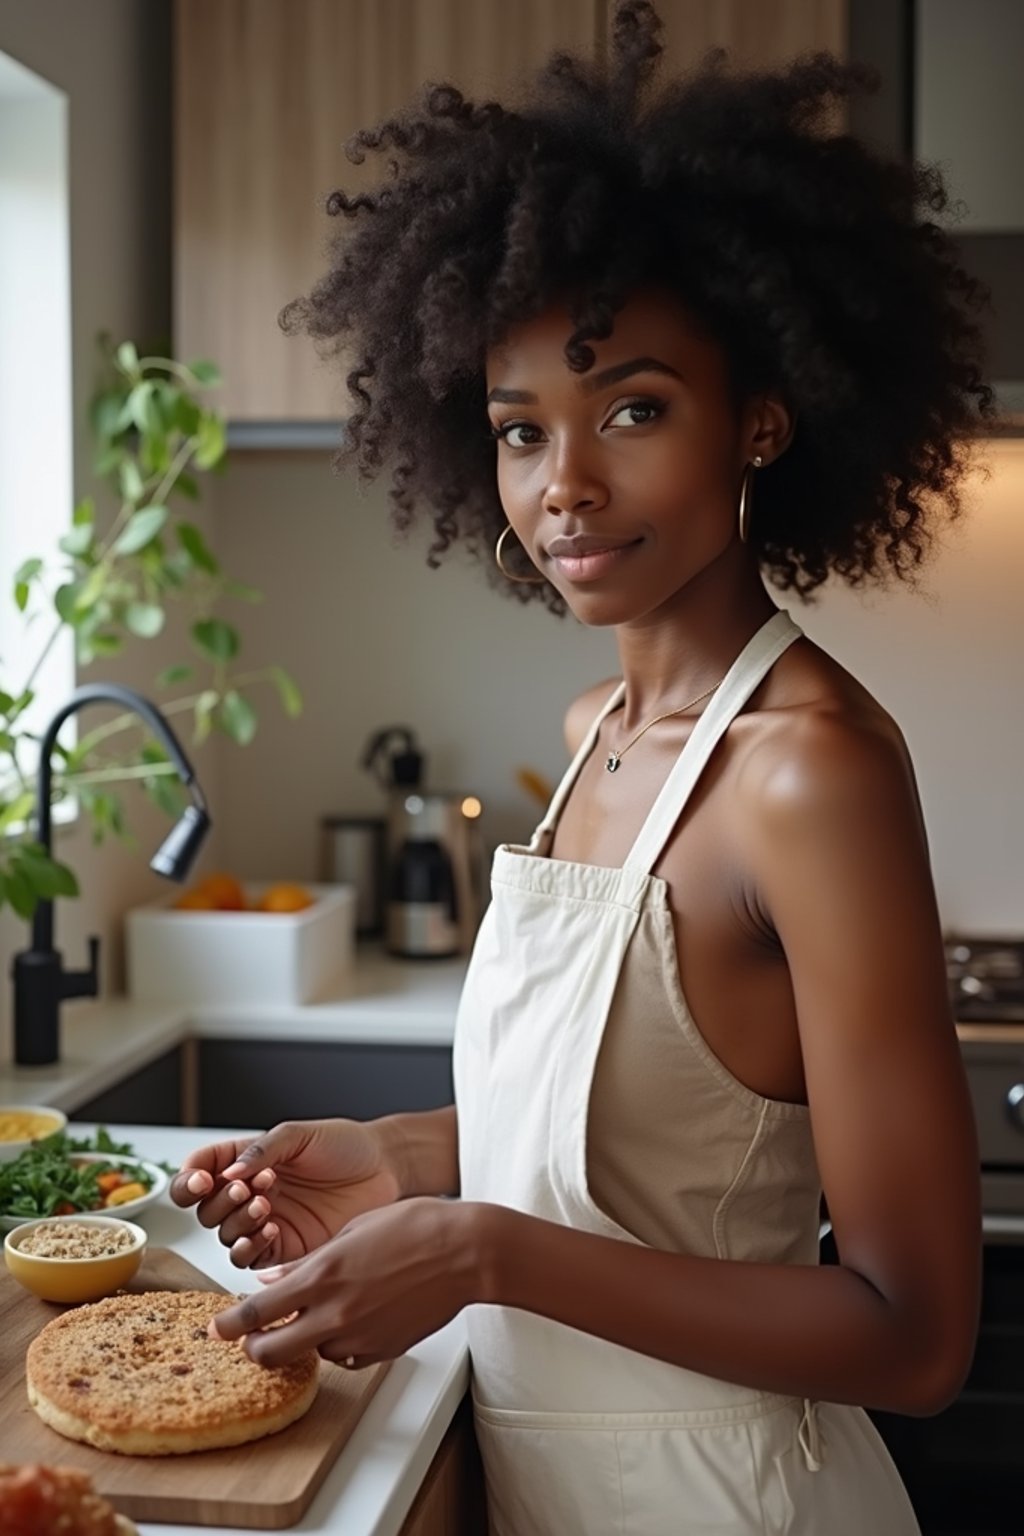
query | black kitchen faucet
[40, 981]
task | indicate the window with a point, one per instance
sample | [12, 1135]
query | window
[36, 476]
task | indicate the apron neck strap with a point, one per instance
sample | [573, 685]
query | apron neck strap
[764, 648]
[558, 799]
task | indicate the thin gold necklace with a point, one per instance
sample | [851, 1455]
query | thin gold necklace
[613, 759]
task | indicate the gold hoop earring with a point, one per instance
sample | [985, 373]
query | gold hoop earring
[531, 581]
[747, 496]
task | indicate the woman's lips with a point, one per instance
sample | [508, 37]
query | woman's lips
[597, 563]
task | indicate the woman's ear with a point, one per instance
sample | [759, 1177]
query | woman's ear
[770, 427]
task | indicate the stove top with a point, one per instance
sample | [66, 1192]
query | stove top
[986, 978]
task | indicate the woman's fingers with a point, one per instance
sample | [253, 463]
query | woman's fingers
[254, 1246]
[202, 1171]
[223, 1203]
[263, 1152]
[244, 1219]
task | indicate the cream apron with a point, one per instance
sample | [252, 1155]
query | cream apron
[579, 1436]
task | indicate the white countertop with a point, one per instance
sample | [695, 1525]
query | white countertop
[371, 1486]
[386, 1002]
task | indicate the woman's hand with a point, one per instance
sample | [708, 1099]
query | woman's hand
[278, 1196]
[390, 1279]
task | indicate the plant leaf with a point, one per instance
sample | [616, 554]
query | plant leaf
[212, 441]
[104, 643]
[291, 698]
[243, 593]
[77, 541]
[127, 357]
[206, 372]
[205, 705]
[215, 639]
[171, 676]
[141, 530]
[144, 619]
[131, 481]
[19, 893]
[194, 544]
[238, 717]
[45, 876]
[187, 486]
[144, 410]
[65, 599]
[19, 809]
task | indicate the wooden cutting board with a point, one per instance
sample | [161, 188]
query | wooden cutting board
[266, 1485]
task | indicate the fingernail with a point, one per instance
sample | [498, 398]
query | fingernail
[237, 1192]
[211, 1328]
[257, 1208]
[264, 1178]
[197, 1183]
[270, 1230]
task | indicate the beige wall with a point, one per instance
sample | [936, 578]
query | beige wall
[111, 59]
[375, 637]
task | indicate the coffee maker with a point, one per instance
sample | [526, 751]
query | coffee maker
[434, 857]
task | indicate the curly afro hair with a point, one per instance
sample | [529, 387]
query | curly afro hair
[805, 254]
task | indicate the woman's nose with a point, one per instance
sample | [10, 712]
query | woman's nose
[572, 485]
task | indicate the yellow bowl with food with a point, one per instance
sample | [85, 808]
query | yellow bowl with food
[22, 1124]
[74, 1258]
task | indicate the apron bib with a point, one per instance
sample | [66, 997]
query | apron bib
[580, 1436]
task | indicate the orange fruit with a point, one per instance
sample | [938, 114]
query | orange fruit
[285, 897]
[224, 892]
[194, 900]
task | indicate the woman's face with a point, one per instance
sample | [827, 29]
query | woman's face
[642, 456]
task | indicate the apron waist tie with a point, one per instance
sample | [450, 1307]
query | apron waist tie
[810, 1436]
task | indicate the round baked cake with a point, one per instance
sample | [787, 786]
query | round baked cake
[140, 1374]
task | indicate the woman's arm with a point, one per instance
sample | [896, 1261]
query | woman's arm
[421, 1149]
[842, 869]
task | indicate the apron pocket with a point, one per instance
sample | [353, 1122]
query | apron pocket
[642, 1474]
[552, 1481]
[691, 1481]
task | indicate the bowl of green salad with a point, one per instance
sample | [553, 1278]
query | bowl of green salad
[63, 1175]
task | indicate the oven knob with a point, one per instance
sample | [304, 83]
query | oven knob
[1015, 1105]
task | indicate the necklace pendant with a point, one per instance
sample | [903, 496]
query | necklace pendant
[612, 762]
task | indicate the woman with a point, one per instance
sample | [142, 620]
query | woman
[711, 342]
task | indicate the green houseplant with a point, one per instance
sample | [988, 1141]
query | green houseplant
[112, 581]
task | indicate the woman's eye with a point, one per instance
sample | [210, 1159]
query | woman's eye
[502, 432]
[652, 408]
[646, 410]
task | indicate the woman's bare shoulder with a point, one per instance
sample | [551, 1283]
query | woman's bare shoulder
[819, 727]
[584, 709]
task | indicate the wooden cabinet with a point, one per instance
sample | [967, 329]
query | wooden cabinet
[266, 92]
[757, 36]
[451, 1499]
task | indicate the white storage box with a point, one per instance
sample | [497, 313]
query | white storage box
[241, 957]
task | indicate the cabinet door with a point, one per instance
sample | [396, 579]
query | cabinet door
[266, 93]
[757, 36]
[256, 1083]
[151, 1096]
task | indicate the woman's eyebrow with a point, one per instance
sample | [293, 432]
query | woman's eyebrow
[589, 383]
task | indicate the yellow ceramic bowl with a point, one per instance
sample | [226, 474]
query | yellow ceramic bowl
[22, 1124]
[71, 1280]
